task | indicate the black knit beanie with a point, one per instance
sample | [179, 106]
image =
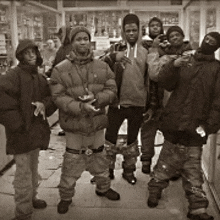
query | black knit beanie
[174, 28]
[131, 18]
[77, 30]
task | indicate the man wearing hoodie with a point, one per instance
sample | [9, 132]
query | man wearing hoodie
[27, 103]
[129, 62]
[191, 114]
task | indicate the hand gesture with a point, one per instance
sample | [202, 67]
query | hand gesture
[148, 115]
[89, 107]
[85, 98]
[200, 130]
[121, 57]
[181, 61]
[40, 109]
[157, 41]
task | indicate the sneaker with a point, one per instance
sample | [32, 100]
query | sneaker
[63, 206]
[146, 169]
[153, 199]
[111, 174]
[130, 178]
[202, 216]
[110, 194]
[39, 204]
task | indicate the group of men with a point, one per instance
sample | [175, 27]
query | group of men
[155, 84]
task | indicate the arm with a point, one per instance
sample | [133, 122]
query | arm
[108, 94]
[63, 101]
[168, 76]
[213, 121]
[10, 114]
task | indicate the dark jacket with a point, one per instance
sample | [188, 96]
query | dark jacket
[18, 89]
[195, 99]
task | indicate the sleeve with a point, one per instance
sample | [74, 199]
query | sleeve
[10, 114]
[108, 95]
[60, 97]
[168, 76]
[155, 63]
[213, 121]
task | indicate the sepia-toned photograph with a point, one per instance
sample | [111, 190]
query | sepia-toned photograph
[109, 110]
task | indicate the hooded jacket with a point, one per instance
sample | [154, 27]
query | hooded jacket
[194, 101]
[20, 87]
[131, 79]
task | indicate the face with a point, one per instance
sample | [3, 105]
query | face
[210, 40]
[131, 33]
[30, 56]
[50, 44]
[81, 43]
[176, 39]
[155, 28]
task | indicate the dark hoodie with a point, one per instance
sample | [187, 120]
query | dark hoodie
[23, 45]
[20, 87]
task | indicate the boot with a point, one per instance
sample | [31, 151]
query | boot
[153, 199]
[111, 174]
[201, 216]
[39, 204]
[146, 167]
[175, 177]
[129, 177]
[63, 206]
[109, 194]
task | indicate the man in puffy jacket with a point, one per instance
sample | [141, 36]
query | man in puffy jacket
[25, 103]
[191, 114]
[81, 88]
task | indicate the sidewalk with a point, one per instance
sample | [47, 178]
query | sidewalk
[86, 205]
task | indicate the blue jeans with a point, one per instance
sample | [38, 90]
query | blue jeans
[25, 183]
[187, 161]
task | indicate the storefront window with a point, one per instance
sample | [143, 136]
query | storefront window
[194, 28]
[100, 23]
[211, 20]
[168, 18]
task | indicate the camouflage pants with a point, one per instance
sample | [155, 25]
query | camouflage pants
[187, 161]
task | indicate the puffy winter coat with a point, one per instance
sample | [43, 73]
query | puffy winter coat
[69, 81]
[195, 100]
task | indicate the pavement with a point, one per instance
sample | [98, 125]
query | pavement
[86, 204]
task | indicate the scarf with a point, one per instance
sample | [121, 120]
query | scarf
[76, 58]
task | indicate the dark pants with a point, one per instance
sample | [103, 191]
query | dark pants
[116, 116]
[148, 133]
[187, 161]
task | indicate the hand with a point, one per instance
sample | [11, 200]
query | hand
[40, 109]
[200, 130]
[85, 98]
[148, 115]
[181, 61]
[121, 57]
[157, 41]
[89, 107]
